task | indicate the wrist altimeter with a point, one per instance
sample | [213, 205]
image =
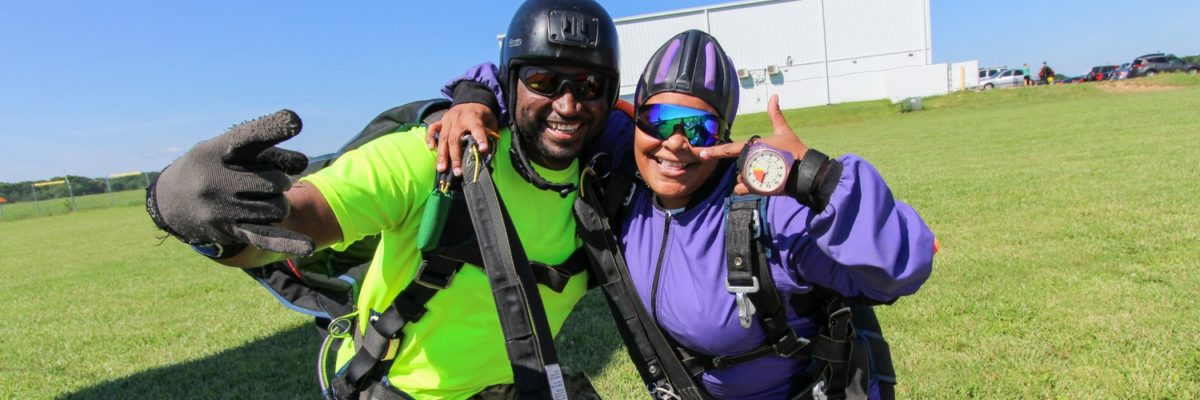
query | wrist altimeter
[769, 171]
[765, 169]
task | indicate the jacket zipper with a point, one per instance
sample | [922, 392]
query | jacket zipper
[662, 251]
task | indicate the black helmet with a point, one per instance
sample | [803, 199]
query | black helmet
[692, 63]
[577, 33]
[566, 32]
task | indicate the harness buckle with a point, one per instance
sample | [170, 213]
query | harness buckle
[840, 323]
[790, 344]
[430, 280]
[746, 308]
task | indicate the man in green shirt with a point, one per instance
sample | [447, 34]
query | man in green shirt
[227, 198]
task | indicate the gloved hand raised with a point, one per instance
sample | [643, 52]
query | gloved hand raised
[229, 189]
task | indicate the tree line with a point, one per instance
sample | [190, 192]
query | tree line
[80, 185]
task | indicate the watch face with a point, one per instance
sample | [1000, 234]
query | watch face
[765, 171]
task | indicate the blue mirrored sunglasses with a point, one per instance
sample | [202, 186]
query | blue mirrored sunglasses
[701, 128]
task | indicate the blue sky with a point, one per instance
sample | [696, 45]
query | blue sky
[95, 88]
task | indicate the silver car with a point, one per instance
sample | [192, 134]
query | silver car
[1006, 78]
[1152, 64]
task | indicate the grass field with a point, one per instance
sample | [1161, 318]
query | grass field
[1069, 266]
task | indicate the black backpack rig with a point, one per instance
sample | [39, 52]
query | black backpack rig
[849, 348]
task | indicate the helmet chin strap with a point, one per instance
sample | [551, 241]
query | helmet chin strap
[525, 169]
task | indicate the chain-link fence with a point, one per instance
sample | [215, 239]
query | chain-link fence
[66, 194]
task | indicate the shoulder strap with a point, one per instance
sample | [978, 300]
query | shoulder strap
[661, 370]
[747, 246]
[527, 336]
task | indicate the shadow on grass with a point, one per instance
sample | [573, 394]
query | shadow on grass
[589, 339]
[281, 366]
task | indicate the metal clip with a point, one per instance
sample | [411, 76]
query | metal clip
[341, 327]
[746, 308]
[756, 225]
[663, 391]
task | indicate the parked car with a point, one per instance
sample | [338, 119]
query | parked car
[989, 72]
[1120, 73]
[1099, 73]
[1006, 78]
[1074, 79]
[1151, 64]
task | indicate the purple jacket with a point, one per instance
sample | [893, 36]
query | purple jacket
[865, 243]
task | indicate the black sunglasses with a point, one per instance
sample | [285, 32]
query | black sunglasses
[548, 82]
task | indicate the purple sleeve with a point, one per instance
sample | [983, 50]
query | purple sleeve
[865, 243]
[488, 75]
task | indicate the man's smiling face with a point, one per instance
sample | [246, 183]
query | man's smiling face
[555, 128]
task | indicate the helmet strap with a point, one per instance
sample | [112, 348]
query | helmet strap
[525, 169]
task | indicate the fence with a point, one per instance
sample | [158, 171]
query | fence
[71, 193]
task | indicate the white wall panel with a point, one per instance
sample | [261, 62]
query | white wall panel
[641, 38]
[876, 63]
[770, 34]
[857, 87]
[925, 80]
[964, 75]
[794, 94]
[875, 48]
[858, 28]
[797, 86]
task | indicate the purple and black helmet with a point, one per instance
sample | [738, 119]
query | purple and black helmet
[692, 63]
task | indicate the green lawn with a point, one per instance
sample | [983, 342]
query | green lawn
[1067, 218]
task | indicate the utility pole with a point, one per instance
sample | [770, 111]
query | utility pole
[69, 191]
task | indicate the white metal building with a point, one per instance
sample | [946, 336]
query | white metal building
[810, 52]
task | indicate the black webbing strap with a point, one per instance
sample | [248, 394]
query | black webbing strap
[837, 368]
[378, 343]
[747, 244]
[435, 273]
[746, 253]
[745, 239]
[741, 233]
[554, 277]
[527, 338]
[661, 370]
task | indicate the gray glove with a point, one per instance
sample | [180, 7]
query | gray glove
[228, 190]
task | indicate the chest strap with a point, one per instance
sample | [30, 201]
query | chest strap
[554, 277]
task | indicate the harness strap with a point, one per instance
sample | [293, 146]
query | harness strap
[554, 277]
[741, 232]
[434, 274]
[746, 241]
[527, 336]
[837, 370]
[379, 342]
[664, 374]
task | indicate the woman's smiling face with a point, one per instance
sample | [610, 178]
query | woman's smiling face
[669, 166]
